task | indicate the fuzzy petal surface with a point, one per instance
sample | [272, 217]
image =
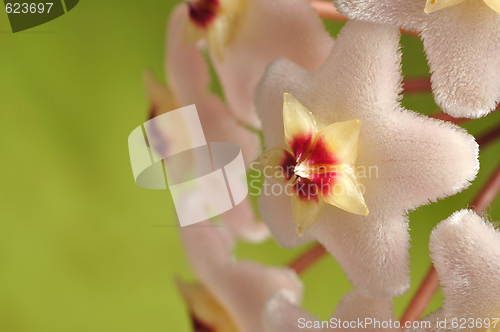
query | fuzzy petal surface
[241, 222]
[241, 287]
[283, 313]
[462, 43]
[466, 253]
[408, 159]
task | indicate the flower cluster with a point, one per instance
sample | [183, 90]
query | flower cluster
[326, 109]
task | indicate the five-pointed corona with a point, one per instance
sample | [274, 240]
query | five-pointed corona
[318, 163]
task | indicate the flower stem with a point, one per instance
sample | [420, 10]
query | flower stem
[488, 137]
[327, 10]
[422, 298]
[430, 284]
[308, 258]
[488, 193]
[420, 84]
[448, 118]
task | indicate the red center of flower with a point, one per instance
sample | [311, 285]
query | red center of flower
[203, 12]
[320, 165]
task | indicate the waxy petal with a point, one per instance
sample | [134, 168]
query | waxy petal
[242, 288]
[408, 159]
[493, 4]
[218, 36]
[305, 211]
[187, 73]
[337, 144]
[346, 193]
[434, 5]
[267, 30]
[300, 126]
[466, 254]
[188, 78]
[283, 313]
[205, 309]
[277, 204]
[462, 43]
[278, 163]
[356, 307]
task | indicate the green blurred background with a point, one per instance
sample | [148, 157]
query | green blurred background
[80, 245]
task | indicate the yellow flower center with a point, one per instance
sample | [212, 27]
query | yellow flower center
[435, 5]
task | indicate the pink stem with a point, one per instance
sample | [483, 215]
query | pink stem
[430, 284]
[412, 85]
[449, 118]
[308, 258]
[327, 10]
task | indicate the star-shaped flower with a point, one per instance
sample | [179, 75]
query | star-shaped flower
[466, 254]
[462, 42]
[407, 159]
[244, 36]
[188, 80]
[319, 163]
[230, 296]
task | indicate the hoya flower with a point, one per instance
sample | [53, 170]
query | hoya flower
[244, 36]
[466, 254]
[230, 296]
[354, 312]
[188, 81]
[462, 42]
[217, 20]
[399, 159]
[319, 162]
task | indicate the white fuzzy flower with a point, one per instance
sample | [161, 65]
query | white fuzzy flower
[404, 160]
[244, 36]
[466, 254]
[230, 295]
[462, 42]
[355, 312]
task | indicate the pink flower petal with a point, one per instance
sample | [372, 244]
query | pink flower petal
[462, 43]
[241, 287]
[269, 29]
[408, 159]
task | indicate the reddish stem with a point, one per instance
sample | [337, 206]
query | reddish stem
[488, 137]
[449, 118]
[413, 85]
[430, 284]
[422, 298]
[488, 193]
[308, 258]
[327, 10]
